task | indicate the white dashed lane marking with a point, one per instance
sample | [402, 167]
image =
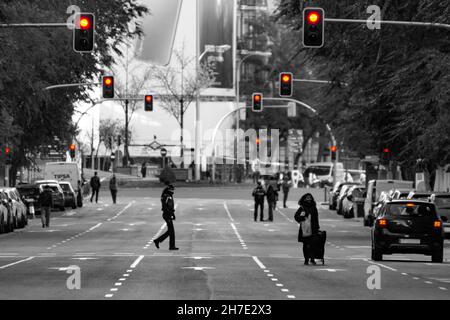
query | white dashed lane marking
[270, 275]
[124, 277]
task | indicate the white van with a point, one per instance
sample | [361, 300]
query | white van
[63, 171]
[324, 172]
[374, 190]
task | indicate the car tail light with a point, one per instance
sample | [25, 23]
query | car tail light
[382, 223]
[438, 224]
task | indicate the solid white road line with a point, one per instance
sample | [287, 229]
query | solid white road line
[258, 262]
[135, 263]
[17, 262]
[228, 211]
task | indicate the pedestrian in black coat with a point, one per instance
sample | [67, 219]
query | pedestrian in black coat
[271, 200]
[307, 209]
[168, 209]
[259, 194]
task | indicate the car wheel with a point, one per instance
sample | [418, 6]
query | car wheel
[377, 254]
[438, 256]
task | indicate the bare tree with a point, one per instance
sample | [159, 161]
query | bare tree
[180, 86]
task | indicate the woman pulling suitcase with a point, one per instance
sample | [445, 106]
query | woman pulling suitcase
[308, 218]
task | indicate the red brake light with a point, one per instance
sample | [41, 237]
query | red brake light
[382, 222]
[438, 224]
[410, 205]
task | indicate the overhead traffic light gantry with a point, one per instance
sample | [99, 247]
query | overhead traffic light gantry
[313, 27]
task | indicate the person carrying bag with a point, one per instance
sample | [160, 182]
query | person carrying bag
[308, 218]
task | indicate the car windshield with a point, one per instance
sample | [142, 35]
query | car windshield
[318, 170]
[28, 191]
[443, 201]
[410, 209]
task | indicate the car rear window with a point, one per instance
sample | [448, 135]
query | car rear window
[410, 210]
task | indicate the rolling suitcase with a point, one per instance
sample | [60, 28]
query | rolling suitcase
[318, 245]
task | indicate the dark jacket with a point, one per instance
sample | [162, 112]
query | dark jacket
[271, 193]
[259, 193]
[95, 183]
[310, 209]
[286, 185]
[46, 198]
[113, 184]
[168, 205]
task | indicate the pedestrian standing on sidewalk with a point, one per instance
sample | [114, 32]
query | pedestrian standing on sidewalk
[113, 188]
[46, 204]
[258, 194]
[168, 209]
[144, 170]
[95, 185]
[271, 197]
[286, 186]
[308, 218]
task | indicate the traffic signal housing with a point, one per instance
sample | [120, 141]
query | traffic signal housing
[333, 150]
[83, 33]
[119, 140]
[286, 84]
[148, 103]
[386, 156]
[313, 27]
[108, 87]
[72, 149]
[257, 102]
[8, 156]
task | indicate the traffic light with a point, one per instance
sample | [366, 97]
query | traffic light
[286, 82]
[72, 149]
[386, 156]
[148, 102]
[333, 150]
[83, 33]
[108, 87]
[119, 140]
[313, 27]
[8, 155]
[257, 105]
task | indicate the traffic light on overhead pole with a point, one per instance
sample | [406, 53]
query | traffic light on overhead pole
[257, 102]
[386, 156]
[333, 150]
[313, 27]
[83, 33]
[108, 87]
[148, 103]
[286, 84]
[72, 149]
[8, 155]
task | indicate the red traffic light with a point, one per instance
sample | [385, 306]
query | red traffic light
[313, 17]
[148, 99]
[85, 23]
[386, 150]
[333, 149]
[108, 81]
[257, 98]
[7, 150]
[286, 78]
[258, 141]
[72, 147]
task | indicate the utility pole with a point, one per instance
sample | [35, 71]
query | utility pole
[126, 134]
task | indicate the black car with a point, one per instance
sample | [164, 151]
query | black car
[408, 226]
[30, 195]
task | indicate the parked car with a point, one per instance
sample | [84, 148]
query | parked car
[399, 194]
[334, 193]
[30, 196]
[384, 197]
[442, 203]
[17, 207]
[353, 201]
[6, 224]
[70, 197]
[57, 193]
[374, 189]
[408, 226]
[419, 195]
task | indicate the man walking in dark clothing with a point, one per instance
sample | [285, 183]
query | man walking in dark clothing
[113, 188]
[285, 186]
[95, 185]
[144, 170]
[46, 203]
[271, 200]
[168, 209]
[259, 194]
[307, 215]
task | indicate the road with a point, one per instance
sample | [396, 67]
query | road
[223, 254]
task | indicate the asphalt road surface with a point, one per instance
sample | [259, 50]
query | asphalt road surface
[223, 254]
